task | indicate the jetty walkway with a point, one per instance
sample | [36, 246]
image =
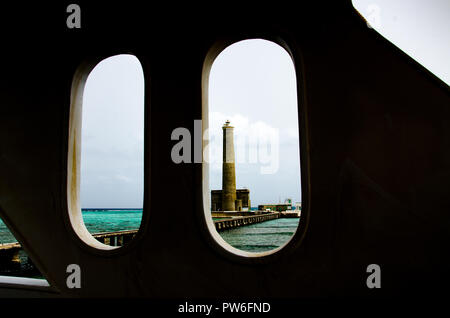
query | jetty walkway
[237, 221]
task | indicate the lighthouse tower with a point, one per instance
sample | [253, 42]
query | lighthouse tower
[228, 170]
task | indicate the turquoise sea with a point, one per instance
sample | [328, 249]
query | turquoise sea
[96, 221]
[258, 237]
[255, 238]
[111, 220]
[5, 235]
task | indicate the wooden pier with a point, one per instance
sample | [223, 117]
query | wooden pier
[119, 238]
[9, 252]
[238, 221]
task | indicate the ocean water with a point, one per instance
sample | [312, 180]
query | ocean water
[258, 237]
[96, 221]
[261, 237]
[111, 220]
[5, 235]
[253, 238]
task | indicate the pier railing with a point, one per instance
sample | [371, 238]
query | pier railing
[234, 222]
[119, 238]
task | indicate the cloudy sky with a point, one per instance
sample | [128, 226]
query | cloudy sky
[252, 84]
[112, 135]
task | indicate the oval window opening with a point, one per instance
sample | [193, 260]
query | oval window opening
[111, 161]
[253, 154]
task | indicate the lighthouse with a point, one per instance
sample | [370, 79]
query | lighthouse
[228, 169]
